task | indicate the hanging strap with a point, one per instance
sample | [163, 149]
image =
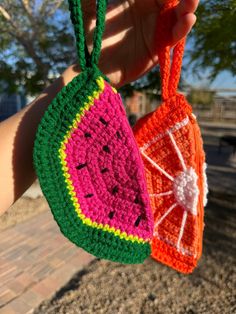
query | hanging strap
[85, 59]
[170, 70]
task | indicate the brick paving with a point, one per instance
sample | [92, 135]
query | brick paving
[35, 262]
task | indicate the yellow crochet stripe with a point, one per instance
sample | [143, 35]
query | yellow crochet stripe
[62, 155]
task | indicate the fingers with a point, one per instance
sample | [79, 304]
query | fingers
[185, 19]
[183, 26]
[186, 6]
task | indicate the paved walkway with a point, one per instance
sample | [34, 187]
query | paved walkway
[35, 262]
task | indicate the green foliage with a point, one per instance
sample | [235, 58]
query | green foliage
[215, 37]
[36, 43]
[213, 45]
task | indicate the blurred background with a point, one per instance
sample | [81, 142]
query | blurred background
[37, 265]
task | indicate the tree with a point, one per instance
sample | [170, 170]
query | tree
[213, 43]
[214, 37]
[36, 43]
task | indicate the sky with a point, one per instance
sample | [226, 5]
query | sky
[223, 80]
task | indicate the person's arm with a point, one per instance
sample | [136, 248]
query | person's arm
[128, 52]
[16, 143]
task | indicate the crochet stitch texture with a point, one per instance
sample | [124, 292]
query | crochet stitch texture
[171, 146]
[88, 164]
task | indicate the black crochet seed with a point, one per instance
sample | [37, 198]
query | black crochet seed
[111, 215]
[118, 134]
[89, 195]
[87, 134]
[106, 149]
[103, 121]
[115, 189]
[81, 166]
[104, 170]
[137, 222]
[136, 199]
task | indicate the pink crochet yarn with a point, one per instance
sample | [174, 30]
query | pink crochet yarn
[105, 170]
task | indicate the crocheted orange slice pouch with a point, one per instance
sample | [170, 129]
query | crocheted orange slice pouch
[174, 160]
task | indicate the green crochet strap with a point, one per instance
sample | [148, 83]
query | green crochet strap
[85, 59]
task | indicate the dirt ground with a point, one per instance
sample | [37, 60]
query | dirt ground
[30, 204]
[111, 288]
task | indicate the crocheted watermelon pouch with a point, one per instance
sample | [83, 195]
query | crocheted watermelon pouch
[88, 164]
[172, 150]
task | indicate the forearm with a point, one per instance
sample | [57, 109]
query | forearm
[17, 140]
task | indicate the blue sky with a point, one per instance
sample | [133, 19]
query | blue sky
[223, 80]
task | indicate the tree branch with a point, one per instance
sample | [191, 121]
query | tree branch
[57, 5]
[9, 19]
[49, 12]
[5, 14]
[26, 6]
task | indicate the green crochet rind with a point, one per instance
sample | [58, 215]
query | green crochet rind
[48, 139]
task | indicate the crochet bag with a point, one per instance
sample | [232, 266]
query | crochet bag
[88, 164]
[172, 150]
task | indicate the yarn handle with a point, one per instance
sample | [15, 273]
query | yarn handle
[85, 59]
[170, 68]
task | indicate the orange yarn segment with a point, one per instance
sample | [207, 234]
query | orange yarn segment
[172, 150]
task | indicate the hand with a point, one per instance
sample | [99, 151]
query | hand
[129, 51]
[129, 48]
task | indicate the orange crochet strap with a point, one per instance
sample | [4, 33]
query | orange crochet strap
[172, 151]
[170, 72]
